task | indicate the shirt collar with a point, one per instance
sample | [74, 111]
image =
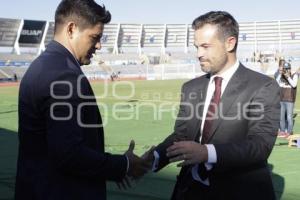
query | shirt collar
[226, 75]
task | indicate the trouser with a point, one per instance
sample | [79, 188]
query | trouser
[286, 116]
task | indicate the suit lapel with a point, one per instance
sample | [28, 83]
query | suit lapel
[237, 83]
[91, 93]
[198, 105]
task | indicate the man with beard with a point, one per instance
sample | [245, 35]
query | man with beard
[61, 150]
[227, 122]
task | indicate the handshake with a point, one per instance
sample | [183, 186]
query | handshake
[138, 166]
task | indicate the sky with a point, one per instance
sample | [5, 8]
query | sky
[161, 11]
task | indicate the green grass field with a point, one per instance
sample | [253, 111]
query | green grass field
[135, 118]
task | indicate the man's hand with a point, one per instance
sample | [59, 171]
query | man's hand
[137, 166]
[148, 157]
[124, 184]
[280, 70]
[189, 152]
[286, 74]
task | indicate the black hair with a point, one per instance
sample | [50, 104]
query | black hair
[227, 26]
[85, 13]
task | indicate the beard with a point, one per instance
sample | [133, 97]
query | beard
[86, 60]
[206, 66]
[213, 66]
[205, 69]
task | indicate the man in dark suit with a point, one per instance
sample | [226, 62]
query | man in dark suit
[227, 122]
[61, 149]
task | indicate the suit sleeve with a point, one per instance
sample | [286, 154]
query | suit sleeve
[67, 147]
[178, 134]
[263, 125]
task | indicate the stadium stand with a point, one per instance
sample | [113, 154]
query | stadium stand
[155, 51]
[4, 75]
[17, 58]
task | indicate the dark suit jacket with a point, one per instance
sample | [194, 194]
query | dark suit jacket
[61, 157]
[242, 142]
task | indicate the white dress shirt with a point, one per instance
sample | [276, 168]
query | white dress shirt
[212, 155]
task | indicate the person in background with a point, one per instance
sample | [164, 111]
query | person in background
[288, 89]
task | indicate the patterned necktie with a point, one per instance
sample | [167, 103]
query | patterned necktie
[211, 110]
